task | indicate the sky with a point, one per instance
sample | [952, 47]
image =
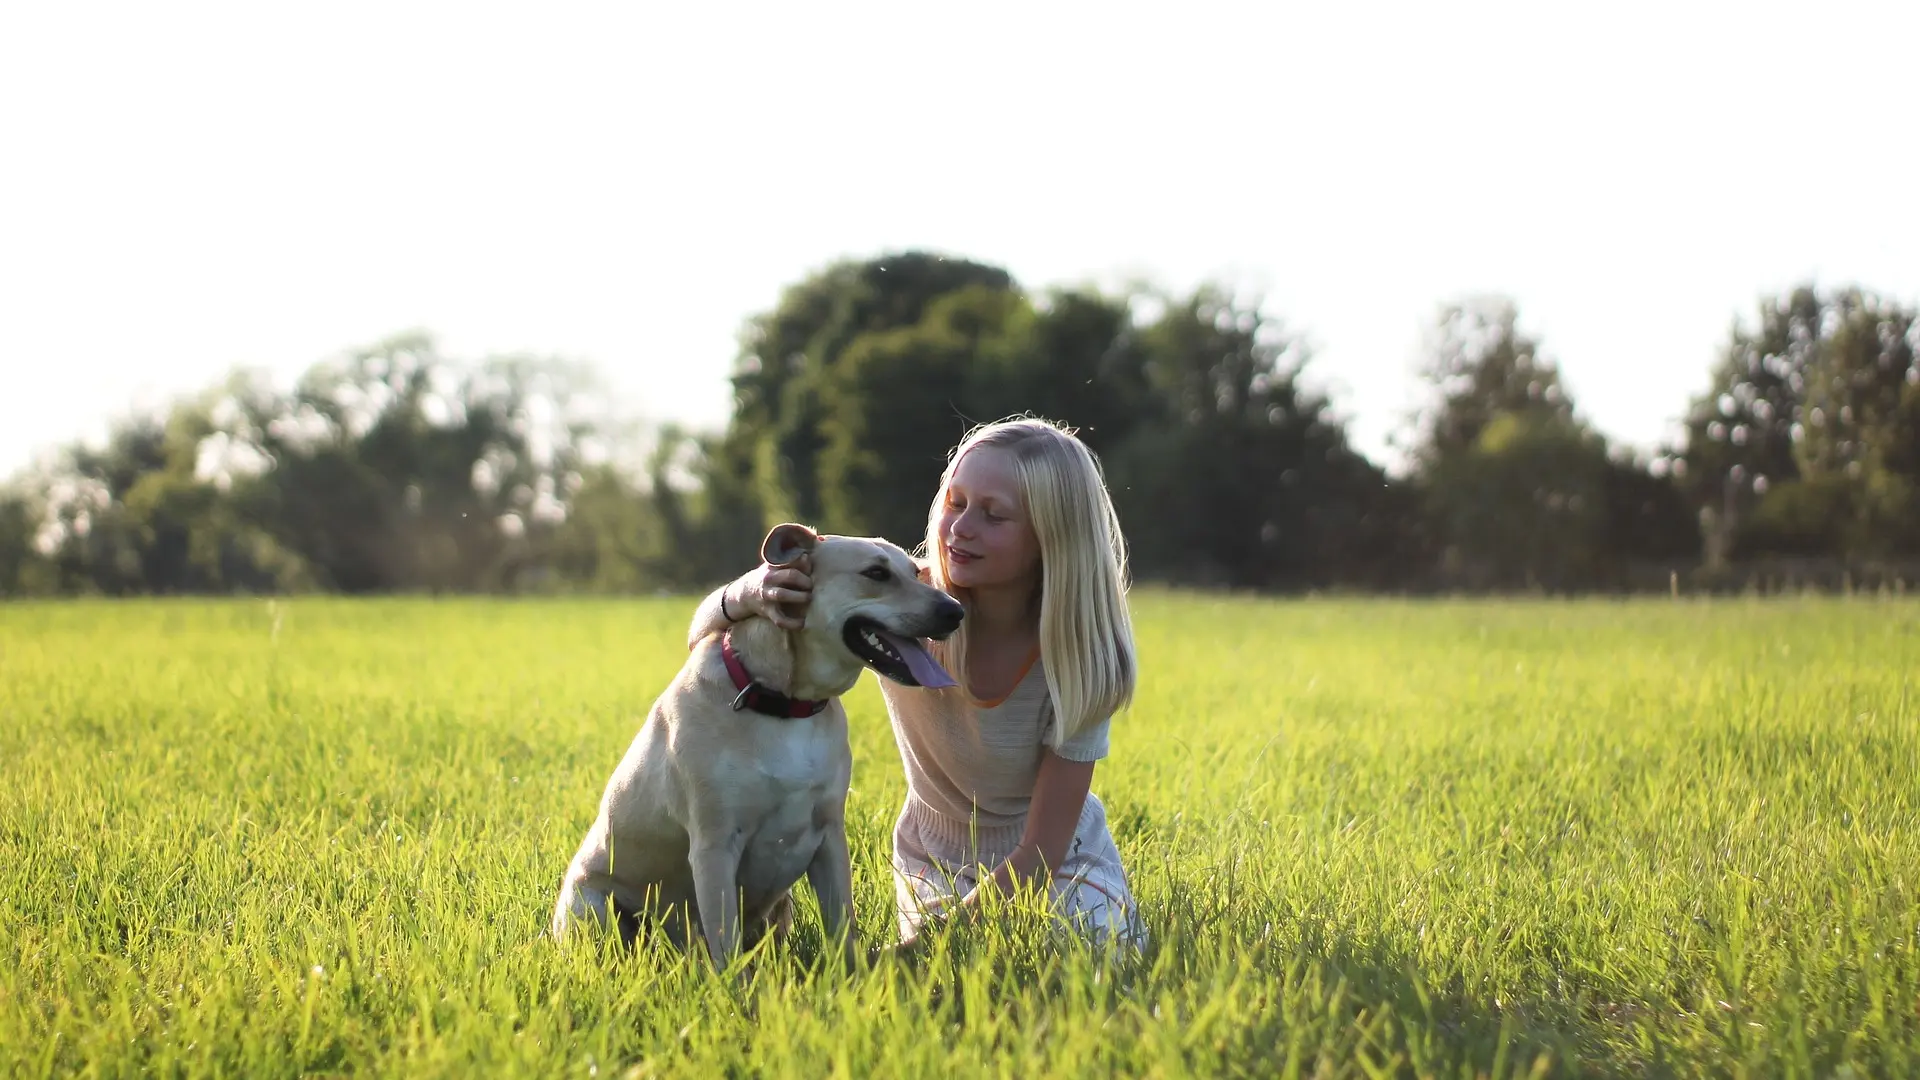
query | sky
[190, 188]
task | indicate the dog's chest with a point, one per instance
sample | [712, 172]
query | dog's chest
[802, 781]
[777, 853]
[798, 756]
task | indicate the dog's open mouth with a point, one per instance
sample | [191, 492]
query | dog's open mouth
[905, 660]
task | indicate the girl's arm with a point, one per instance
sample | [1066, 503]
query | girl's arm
[1059, 792]
[708, 618]
[760, 591]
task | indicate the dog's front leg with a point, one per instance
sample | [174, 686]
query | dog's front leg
[716, 888]
[831, 875]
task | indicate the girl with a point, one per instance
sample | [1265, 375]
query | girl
[1000, 767]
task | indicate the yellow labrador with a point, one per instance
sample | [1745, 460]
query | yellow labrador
[736, 785]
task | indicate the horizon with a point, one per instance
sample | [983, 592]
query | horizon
[236, 188]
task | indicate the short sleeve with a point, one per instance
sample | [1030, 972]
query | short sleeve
[1089, 745]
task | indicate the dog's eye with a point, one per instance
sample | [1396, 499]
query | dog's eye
[877, 573]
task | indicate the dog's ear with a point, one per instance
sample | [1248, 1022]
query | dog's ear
[787, 542]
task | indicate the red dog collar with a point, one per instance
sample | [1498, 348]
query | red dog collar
[757, 697]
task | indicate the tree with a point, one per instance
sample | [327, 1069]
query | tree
[98, 547]
[1740, 434]
[1647, 518]
[899, 400]
[1077, 358]
[1481, 366]
[24, 570]
[395, 467]
[1242, 476]
[1822, 396]
[1517, 484]
[1862, 420]
[788, 356]
[1525, 505]
[137, 516]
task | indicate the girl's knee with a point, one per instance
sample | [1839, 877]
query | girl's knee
[1091, 913]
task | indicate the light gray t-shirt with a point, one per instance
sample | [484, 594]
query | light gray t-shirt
[964, 755]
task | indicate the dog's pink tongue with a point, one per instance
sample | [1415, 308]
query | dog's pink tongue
[926, 670]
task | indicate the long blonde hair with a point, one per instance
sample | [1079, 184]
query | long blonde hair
[1086, 634]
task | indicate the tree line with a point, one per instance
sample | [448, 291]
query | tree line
[398, 468]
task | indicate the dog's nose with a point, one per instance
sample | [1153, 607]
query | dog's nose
[948, 614]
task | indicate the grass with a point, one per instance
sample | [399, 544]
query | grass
[1373, 838]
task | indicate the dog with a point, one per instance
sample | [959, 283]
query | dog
[736, 784]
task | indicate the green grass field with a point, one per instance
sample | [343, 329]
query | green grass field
[1373, 838]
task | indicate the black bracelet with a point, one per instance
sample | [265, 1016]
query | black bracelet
[723, 606]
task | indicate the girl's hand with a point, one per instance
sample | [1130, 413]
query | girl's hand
[779, 594]
[941, 911]
[905, 947]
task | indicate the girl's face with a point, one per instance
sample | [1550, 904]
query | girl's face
[988, 539]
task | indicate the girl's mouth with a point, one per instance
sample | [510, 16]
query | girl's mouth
[960, 555]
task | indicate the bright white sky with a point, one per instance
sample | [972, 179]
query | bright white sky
[187, 188]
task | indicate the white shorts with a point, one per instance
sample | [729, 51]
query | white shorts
[937, 860]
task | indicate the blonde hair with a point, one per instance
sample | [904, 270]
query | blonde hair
[1086, 634]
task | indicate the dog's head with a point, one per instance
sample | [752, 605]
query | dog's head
[868, 596]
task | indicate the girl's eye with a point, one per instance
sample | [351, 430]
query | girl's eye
[995, 518]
